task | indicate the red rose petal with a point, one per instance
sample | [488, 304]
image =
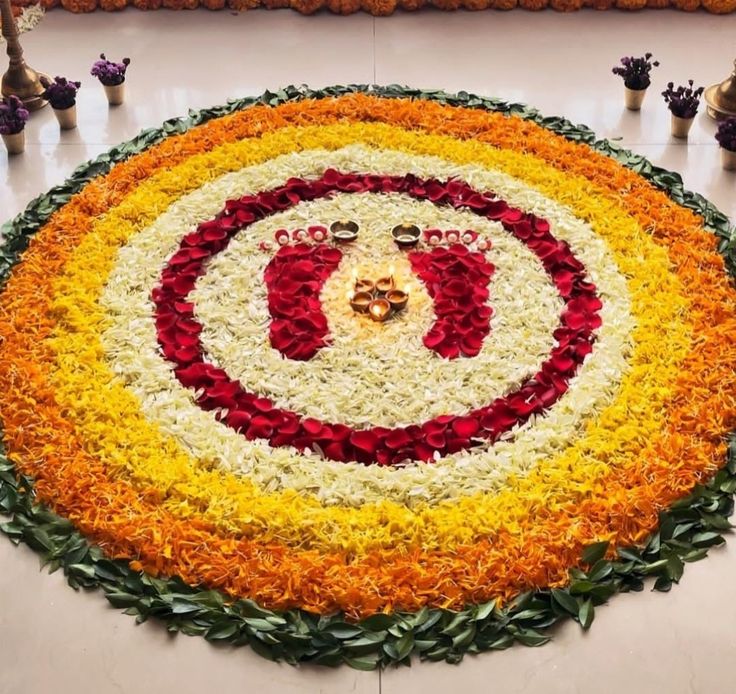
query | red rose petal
[436, 440]
[238, 420]
[312, 426]
[262, 404]
[466, 427]
[398, 438]
[364, 440]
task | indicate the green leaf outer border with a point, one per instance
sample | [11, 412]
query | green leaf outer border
[686, 531]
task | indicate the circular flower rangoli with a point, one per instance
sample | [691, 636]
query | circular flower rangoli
[196, 419]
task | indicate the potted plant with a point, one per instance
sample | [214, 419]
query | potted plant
[683, 103]
[62, 95]
[635, 73]
[112, 78]
[726, 136]
[13, 117]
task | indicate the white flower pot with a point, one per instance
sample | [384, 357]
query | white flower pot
[115, 93]
[728, 159]
[634, 98]
[67, 117]
[681, 126]
[15, 143]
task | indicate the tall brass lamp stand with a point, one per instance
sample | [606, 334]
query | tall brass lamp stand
[20, 80]
[721, 98]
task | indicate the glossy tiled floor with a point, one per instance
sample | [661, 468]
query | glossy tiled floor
[52, 639]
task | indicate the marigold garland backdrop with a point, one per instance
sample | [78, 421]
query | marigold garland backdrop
[198, 419]
[387, 7]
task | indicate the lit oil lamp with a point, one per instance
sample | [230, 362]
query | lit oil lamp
[365, 285]
[397, 299]
[386, 284]
[379, 310]
[359, 301]
[362, 284]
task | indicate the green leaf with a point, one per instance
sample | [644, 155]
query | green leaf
[595, 552]
[565, 601]
[712, 520]
[418, 618]
[8, 499]
[432, 619]
[729, 486]
[266, 651]
[675, 567]
[12, 530]
[484, 611]
[260, 624]
[38, 539]
[119, 599]
[521, 601]
[424, 645]
[695, 555]
[529, 637]
[586, 615]
[464, 638]
[82, 571]
[249, 608]
[655, 567]
[663, 584]
[581, 587]
[209, 598]
[456, 624]
[182, 607]
[502, 642]
[600, 570]
[378, 622]
[343, 631]
[363, 662]
[366, 644]
[438, 653]
[221, 631]
[405, 645]
[630, 554]
[707, 539]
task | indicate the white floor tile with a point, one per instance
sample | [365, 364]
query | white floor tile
[55, 640]
[640, 643]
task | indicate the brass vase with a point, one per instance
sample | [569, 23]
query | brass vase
[634, 98]
[67, 117]
[721, 98]
[115, 93]
[15, 143]
[681, 126]
[728, 159]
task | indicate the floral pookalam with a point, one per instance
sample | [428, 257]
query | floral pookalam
[196, 420]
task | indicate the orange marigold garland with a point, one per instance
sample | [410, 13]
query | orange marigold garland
[113, 5]
[79, 6]
[382, 8]
[720, 6]
[412, 581]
